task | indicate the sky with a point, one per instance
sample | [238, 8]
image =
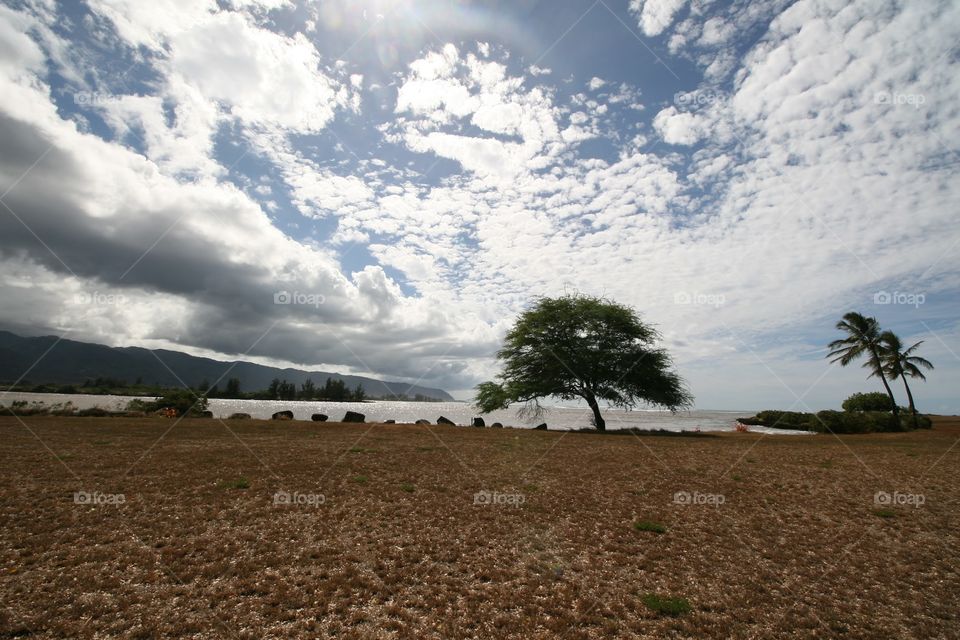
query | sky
[381, 187]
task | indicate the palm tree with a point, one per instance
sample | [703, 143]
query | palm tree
[901, 363]
[863, 338]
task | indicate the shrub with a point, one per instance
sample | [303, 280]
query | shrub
[837, 421]
[787, 420]
[666, 606]
[872, 401]
[92, 412]
[857, 422]
[647, 525]
[183, 401]
[238, 483]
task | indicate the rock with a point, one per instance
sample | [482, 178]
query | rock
[496, 425]
[239, 416]
[541, 427]
[422, 421]
[389, 422]
[318, 417]
[478, 422]
[205, 414]
[93, 412]
[282, 415]
[353, 416]
[442, 420]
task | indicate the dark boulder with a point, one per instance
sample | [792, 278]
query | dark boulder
[318, 417]
[541, 427]
[239, 416]
[422, 421]
[205, 414]
[478, 422]
[282, 415]
[496, 425]
[353, 416]
[93, 412]
[389, 422]
[442, 420]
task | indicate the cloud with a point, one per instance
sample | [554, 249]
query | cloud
[260, 77]
[655, 15]
[806, 160]
[676, 127]
[445, 90]
[195, 263]
[596, 83]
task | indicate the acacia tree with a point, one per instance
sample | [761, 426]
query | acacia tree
[863, 339]
[902, 363]
[583, 347]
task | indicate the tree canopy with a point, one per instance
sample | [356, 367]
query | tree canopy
[583, 347]
[872, 401]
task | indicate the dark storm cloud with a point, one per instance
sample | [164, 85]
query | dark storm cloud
[78, 213]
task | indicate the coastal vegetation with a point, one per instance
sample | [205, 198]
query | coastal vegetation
[334, 390]
[887, 359]
[583, 347]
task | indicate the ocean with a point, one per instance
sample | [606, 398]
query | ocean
[558, 417]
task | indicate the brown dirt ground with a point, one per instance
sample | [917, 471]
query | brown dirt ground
[399, 549]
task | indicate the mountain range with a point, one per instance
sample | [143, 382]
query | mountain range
[47, 360]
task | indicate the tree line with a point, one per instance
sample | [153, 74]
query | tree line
[332, 389]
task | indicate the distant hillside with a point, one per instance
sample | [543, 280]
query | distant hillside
[71, 362]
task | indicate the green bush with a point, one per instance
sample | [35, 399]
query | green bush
[647, 525]
[183, 401]
[664, 605]
[857, 422]
[837, 421]
[787, 420]
[906, 419]
[872, 401]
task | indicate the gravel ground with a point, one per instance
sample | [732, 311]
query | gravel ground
[153, 528]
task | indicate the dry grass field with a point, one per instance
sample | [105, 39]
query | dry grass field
[382, 536]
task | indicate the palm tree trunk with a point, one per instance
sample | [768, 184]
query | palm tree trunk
[598, 420]
[886, 385]
[913, 407]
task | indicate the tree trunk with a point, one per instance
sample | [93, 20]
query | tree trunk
[913, 407]
[883, 379]
[597, 418]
